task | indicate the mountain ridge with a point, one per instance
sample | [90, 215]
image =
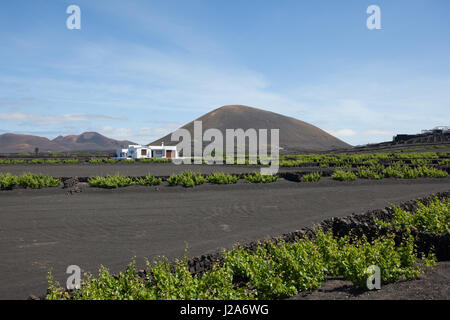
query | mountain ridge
[86, 141]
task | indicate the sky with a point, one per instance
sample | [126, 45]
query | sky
[138, 70]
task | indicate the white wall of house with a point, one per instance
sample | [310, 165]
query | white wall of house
[144, 152]
[138, 152]
[164, 151]
[121, 153]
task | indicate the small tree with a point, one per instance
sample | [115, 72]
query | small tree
[36, 151]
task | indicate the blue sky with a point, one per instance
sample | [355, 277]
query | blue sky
[139, 69]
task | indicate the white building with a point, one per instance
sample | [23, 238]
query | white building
[442, 128]
[121, 153]
[145, 152]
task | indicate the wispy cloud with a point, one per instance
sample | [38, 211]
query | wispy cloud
[380, 132]
[142, 135]
[8, 102]
[342, 133]
[141, 79]
[376, 102]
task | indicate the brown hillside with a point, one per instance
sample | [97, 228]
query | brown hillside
[88, 141]
[295, 135]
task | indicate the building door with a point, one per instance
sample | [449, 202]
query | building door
[169, 154]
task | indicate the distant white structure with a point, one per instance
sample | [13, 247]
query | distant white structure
[441, 128]
[438, 129]
[121, 153]
[146, 152]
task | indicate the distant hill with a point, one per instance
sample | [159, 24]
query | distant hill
[295, 135]
[87, 141]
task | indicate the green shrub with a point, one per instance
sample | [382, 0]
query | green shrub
[81, 154]
[366, 159]
[52, 161]
[111, 160]
[162, 160]
[149, 181]
[434, 217]
[95, 161]
[260, 178]
[342, 175]
[71, 161]
[169, 283]
[329, 248]
[269, 271]
[173, 180]
[7, 181]
[179, 283]
[36, 161]
[406, 172]
[222, 178]
[260, 271]
[110, 181]
[187, 179]
[312, 177]
[124, 286]
[27, 180]
[431, 172]
[416, 155]
[293, 163]
[118, 181]
[370, 172]
[300, 263]
[395, 262]
[395, 171]
[420, 162]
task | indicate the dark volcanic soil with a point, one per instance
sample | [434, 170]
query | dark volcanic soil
[433, 285]
[48, 228]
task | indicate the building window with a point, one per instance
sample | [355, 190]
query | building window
[158, 153]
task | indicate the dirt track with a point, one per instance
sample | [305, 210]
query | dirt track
[47, 228]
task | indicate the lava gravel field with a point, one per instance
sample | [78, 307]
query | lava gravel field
[51, 228]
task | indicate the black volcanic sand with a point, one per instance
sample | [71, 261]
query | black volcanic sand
[129, 169]
[48, 228]
[432, 285]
